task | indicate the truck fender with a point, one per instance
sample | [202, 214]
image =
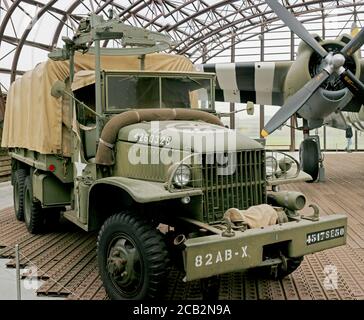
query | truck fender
[112, 194]
[142, 191]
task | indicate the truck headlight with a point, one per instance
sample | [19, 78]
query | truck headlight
[182, 176]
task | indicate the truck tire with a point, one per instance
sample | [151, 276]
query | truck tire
[310, 159]
[18, 193]
[132, 258]
[33, 212]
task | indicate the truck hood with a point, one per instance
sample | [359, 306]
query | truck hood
[193, 136]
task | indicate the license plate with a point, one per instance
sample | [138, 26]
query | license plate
[325, 235]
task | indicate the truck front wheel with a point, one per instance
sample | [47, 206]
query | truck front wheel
[33, 212]
[18, 193]
[132, 258]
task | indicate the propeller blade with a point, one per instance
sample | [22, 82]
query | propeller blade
[295, 103]
[296, 26]
[354, 45]
[353, 84]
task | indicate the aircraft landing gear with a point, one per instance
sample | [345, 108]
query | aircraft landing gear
[311, 158]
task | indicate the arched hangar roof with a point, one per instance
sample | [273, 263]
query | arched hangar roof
[204, 30]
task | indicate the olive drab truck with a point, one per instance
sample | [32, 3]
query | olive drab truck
[127, 141]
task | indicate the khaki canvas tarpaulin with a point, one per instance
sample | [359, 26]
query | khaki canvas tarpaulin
[37, 121]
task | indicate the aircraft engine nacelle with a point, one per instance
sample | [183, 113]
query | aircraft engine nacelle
[328, 102]
[356, 119]
[333, 95]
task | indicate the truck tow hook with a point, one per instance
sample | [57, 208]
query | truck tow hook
[228, 232]
[316, 213]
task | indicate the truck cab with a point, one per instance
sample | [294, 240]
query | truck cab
[127, 90]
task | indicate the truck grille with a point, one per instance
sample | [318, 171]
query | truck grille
[239, 188]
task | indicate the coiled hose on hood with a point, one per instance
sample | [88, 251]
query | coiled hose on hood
[109, 134]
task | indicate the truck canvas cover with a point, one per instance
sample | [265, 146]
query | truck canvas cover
[39, 122]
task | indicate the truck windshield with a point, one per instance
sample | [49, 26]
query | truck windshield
[133, 92]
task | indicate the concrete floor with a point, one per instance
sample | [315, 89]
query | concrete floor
[28, 287]
[7, 275]
[6, 195]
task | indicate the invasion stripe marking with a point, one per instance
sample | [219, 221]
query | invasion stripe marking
[264, 79]
[245, 76]
[226, 75]
[232, 96]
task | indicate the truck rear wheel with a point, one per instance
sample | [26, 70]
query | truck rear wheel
[18, 193]
[132, 258]
[33, 212]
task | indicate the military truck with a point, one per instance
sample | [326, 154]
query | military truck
[127, 141]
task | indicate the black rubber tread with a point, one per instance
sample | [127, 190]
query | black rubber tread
[309, 158]
[35, 224]
[152, 250]
[19, 181]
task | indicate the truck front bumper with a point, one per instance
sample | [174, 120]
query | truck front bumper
[213, 255]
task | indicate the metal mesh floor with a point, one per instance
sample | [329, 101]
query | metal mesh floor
[66, 258]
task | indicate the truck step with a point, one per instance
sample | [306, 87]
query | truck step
[71, 215]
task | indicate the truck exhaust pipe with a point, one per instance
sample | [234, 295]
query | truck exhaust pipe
[179, 241]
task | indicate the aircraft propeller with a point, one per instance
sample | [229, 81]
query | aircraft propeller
[333, 63]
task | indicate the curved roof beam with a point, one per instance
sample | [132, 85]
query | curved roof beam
[180, 9]
[138, 15]
[7, 18]
[69, 11]
[207, 9]
[63, 21]
[194, 25]
[192, 44]
[41, 5]
[258, 33]
[15, 41]
[16, 4]
[24, 37]
[131, 7]
[248, 18]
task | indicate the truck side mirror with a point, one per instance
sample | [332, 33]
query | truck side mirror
[58, 89]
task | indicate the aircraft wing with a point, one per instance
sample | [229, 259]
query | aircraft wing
[259, 82]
